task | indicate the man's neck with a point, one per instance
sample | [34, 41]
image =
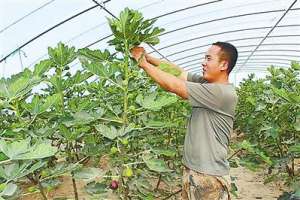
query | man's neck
[221, 80]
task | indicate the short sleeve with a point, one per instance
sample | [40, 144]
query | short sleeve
[204, 95]
[197, 78]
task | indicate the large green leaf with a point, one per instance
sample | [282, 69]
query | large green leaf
[95, 55]
[252, 149]
[246, 145]
[59, 169]
[152, 102]
[9, 191]
[108, 132]
[78, 78]
[158, 124]
[112, 132]
[57, 83]
[270, 131]
[49, 102]
[103, 70]
[282, 93]
[165, 152]
[89, 174]
[38, 151]
[13, 149]
[23, 150]
[94, 67]
[155, 164]
[97, 188]
[83, 117]
[15, 171]
[62, 54]
[38, 106]
[18, 85]
[42, 67]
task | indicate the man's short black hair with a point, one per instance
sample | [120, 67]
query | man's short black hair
[229, 53]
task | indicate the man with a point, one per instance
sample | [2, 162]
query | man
[213, 102]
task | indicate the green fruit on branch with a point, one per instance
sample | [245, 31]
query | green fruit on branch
[113, 150]
[127, 172]
[124, 142]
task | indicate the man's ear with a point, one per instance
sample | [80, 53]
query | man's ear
[224, 65]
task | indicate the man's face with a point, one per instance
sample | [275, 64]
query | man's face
[212, 65]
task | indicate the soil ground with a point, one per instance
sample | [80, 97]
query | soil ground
[250, 187]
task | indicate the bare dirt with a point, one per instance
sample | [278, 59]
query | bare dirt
[250, 187]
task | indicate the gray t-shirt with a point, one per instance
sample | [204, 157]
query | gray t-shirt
[210, 125]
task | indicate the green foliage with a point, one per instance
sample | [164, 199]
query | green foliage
[108, 108]
[131, 29]
[112, 132]
[15, 171]
[62, 55]
[10, 191]
[38, 106]
[268, 113]
[152, 102]
[155, 164]
[22, 150]
[18, 85]
[42, 67]
[89, 174]
[95, 55]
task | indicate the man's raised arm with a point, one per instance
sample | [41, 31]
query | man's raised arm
[156, 62]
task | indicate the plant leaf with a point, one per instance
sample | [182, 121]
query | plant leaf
[155, 164]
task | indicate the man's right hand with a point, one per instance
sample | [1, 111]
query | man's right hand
[138, 53]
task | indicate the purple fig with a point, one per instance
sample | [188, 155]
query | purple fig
[114, 185]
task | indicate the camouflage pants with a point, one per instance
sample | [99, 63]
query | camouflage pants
[198, 186]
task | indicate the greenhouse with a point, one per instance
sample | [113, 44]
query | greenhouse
[149, 99]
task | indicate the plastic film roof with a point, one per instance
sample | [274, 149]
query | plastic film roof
[265, 32]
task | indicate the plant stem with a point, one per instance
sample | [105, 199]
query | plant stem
[5, 161]
[158, 182]
[60, 91]
[40, 186]
[126, 80]
[168, 197]
[75, 188]
[133, 163]
[293, 166]
[111, 120]
[234, 154]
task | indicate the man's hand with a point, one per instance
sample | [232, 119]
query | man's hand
[138, 53]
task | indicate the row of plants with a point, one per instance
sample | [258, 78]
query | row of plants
[268, 114]
[60, 119]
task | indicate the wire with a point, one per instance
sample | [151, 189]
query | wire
[30, 13]
[46, 31]
[270, 31]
